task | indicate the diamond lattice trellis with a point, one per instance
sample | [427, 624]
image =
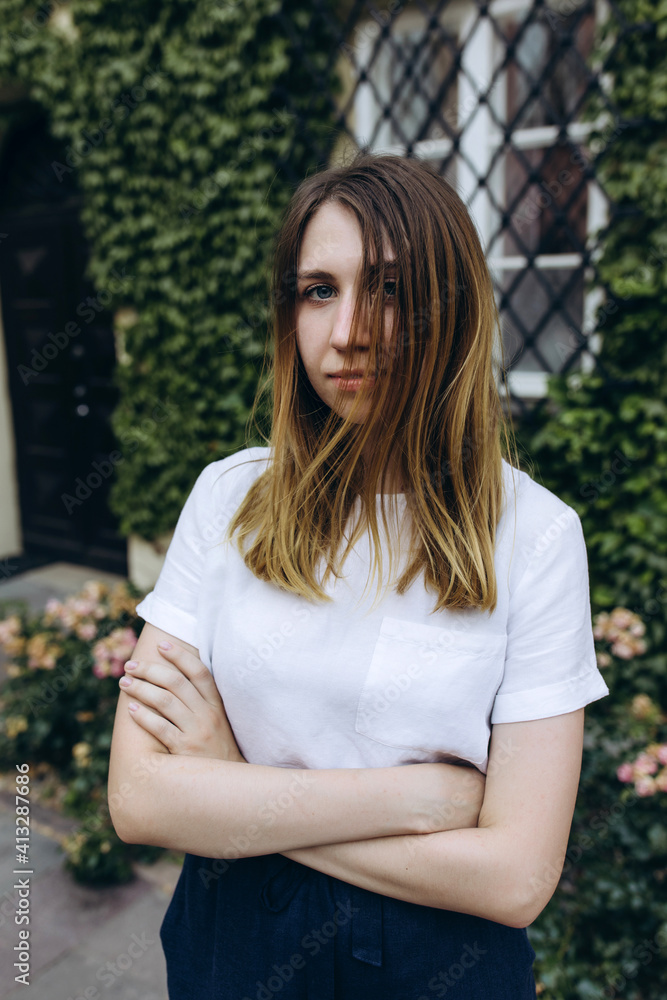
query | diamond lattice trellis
[507, 101]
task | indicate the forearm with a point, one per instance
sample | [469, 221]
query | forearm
[224, 809]
[465, 870]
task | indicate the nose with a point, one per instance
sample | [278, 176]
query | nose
[342, 326]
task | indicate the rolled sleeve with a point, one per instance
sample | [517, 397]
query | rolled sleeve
[550, 664]
[166, 616]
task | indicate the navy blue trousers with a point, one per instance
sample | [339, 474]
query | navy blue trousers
[268, 927]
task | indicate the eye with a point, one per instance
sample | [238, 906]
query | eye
[389, 286]
[308, 294]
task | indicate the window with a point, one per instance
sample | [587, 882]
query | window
[494, 100]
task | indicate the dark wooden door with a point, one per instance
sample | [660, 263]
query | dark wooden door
[60, 358]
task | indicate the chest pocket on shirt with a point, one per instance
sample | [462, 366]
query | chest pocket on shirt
[431, 688]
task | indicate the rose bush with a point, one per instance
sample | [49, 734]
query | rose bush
[57, 709]
[604, 933]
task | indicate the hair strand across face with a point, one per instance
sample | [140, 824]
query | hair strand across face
[435, 411]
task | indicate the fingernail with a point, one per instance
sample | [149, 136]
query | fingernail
[133, 706]
[131, 664]
[125, 681]
[164, 644]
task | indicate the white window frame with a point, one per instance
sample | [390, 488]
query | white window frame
[479, 141]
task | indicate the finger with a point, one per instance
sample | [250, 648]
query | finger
[165, 677]
[160, 699]
[193, 668]
[158, 726]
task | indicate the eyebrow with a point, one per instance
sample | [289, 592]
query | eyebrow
[318, 275]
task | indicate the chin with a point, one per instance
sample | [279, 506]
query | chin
[359, 417]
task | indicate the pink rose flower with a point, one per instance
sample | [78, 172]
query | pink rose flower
[645, 787]
[600, 625]
[646, 764]
[622, 618]
[83, 608]
[9, 629]
[94, 590]
[87, 631]
[116, 667]
[623, 650]
[625, 772]
[122, 641]
[111, 652]
[67, 617]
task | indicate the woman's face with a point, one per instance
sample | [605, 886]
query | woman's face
[329, 263]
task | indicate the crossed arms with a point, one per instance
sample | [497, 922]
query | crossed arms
[433, 834]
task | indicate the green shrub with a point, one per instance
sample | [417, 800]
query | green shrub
[58, 708]
[598, 441]
[604, 932]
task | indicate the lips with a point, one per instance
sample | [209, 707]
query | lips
[355, 373]
[353, 383]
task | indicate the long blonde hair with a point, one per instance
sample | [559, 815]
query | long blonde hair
[436, 407]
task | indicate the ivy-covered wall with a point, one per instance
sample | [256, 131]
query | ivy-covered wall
[599, 442]
[600, 439]
[176, 117]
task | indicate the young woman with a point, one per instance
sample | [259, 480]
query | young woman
[270, 740]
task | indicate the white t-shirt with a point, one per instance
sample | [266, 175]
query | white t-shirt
[328, 685]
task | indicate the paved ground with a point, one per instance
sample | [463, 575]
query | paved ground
[85, 943]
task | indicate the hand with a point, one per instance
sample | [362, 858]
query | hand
[450, 796]
[188, 715]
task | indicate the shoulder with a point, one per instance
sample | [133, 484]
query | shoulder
[217, 493]
[534, 517]
[228, 477]
[535, 504]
